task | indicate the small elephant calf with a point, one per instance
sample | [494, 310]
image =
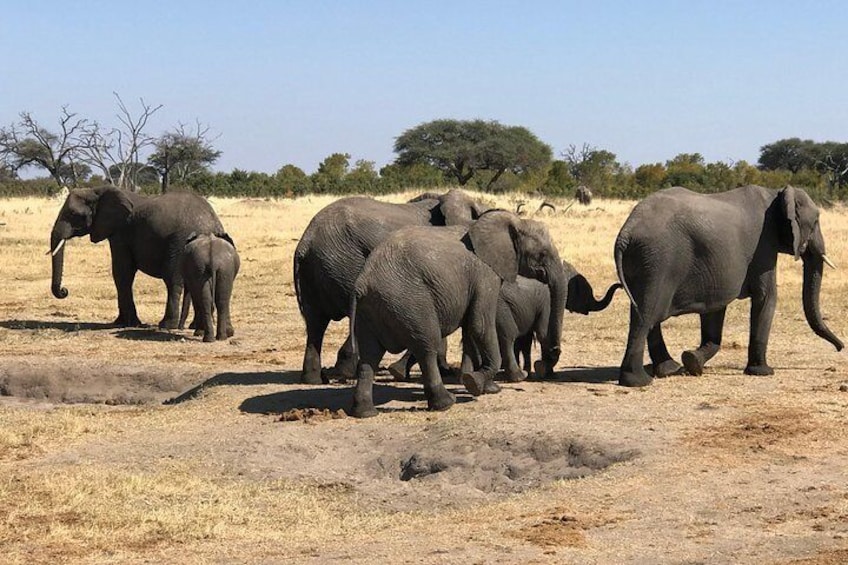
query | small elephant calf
[209, 266]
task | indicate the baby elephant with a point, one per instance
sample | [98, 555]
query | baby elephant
[210, 264]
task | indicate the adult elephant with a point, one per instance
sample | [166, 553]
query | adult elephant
[423, 283]
[680, 252]
[332, 251]
[145, 233]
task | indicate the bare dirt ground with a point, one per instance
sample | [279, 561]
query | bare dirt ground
[149, 446]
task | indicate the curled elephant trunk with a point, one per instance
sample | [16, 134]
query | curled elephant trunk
[58, 236]
[813, 266]
[598, 305]
[581, 296]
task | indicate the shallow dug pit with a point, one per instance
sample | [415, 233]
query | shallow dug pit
[503, 465]
[74, 380]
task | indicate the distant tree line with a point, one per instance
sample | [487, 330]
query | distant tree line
[483, 155]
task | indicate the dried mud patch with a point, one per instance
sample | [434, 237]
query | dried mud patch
[835, 557]
[762, 430]
[561, 530]
[73, 381]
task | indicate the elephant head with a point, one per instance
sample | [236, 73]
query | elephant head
[580, 296]
[98, 212]
[454, 208]
[514, 246]
[802, 237]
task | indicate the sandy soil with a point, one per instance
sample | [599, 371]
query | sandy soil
[148, 446]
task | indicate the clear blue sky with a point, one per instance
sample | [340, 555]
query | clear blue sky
[294, 81]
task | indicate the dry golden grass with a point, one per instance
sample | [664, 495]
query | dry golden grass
[730, 468]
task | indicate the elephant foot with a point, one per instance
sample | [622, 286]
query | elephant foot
[514, 376]
[398, 370]
[668, 368]
[363, 410]
[634, 378]
[340, 372]
[474, 382]
[694, 362]
[208, 338]
[131, 322]
[491, 387]
[759, 370]
[312, 378]
[198, 331]
[440, 401]
[542, 370]
[167, 324]
[447, 372]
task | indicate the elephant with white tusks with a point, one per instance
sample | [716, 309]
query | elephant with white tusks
[680, 252]
[332, 251]
[422, 284]
[145, 233]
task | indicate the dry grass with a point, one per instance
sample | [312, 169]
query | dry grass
[731, 468]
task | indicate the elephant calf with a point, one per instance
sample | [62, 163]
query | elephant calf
[524, 310]
[210, 264]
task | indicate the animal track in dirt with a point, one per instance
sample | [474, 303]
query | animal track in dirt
[311, 415]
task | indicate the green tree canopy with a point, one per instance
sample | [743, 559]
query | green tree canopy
[181, 153]
[460, 148]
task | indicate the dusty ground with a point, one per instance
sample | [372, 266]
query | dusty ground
[144, 446]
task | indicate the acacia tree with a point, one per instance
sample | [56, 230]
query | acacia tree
[181, 153]
[117, 151]
[28, 143]
[461, 148]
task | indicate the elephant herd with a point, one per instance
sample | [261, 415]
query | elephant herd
[409, 275]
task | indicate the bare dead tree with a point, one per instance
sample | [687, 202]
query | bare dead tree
[28, 143]
[116, 151]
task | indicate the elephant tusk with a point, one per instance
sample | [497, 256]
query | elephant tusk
[58, 247]
[829, 262]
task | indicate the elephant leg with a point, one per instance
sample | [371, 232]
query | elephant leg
[370, 355]
[438, 397]
[205, 309]
[511, 371]
[762, 312]
[483, 334]
[400, 369]
[316, 326]
[632, 372]
[185, 307]
[123, 273]
[522, 350]
[712, 325]
[345, 366]
[442, 359]
[663, 364]
[223, 293]
[171, 319]
[470, 356]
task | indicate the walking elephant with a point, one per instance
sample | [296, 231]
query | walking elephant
[332, 251]
[422, 284]
[145, 233]
[209, 267]
[680, 252]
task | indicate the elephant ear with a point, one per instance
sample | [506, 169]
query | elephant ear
[458, 209]
[580, 295]
[802, 214]
[113, 210]
[191, 237]
[494, 240]
[226, 237]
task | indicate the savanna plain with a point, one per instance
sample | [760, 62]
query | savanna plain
[138, 445]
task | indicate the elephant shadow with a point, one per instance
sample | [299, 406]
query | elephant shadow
[148, 333]
[338, 398]
[594, 375]
[51, 325]
[238, 379]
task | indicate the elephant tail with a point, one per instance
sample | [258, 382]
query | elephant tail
[297, 259]
[620, 245]
[352, 319]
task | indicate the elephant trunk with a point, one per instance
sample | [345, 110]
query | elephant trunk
[558, 287]
[61, 232]
[598, 305]
[813, 265]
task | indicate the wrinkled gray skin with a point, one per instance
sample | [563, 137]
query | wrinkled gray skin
[145, 233]
[422, 284]
[680, 252]
[209, 267]
[332, 252]
[524, 309]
